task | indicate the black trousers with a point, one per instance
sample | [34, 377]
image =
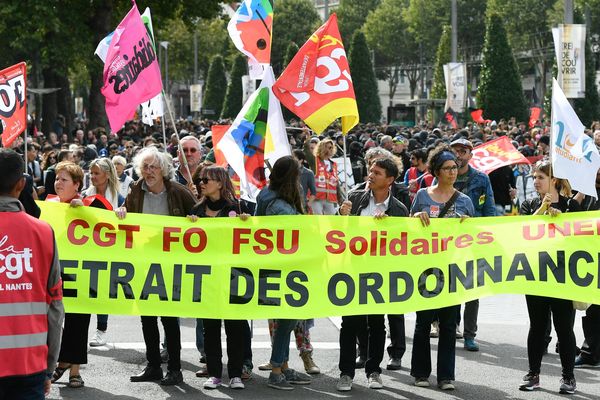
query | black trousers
[73, 348]
[234, 329]
[397, 346]
[562, 310]
[591, 330]
[351, 327]
[30, 387]
[172, 341]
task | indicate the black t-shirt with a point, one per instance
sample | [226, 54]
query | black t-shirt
[564, 204]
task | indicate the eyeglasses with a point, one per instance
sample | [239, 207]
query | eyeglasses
[129, 147]
[150, 167]
[450, 169]
[190, 150]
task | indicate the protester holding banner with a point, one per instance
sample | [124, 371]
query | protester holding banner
[155, 193]
[218, 200]
[326, 179]
[554, 198]
[441, 200]
[282, 197]
[73, 351]
[377, 201]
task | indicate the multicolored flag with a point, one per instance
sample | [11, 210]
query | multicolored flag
[496, 153]
[13, 102]
[259, 122]
[250, 30]
[316, 85]
[574, 155]
[131, 72]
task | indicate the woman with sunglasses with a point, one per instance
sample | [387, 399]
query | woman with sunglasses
[217, 199]
[554, 198]
[282, 197]
[440, 200]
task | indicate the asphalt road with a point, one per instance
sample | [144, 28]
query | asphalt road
[492, 373]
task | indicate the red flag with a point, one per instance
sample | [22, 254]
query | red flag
[477, 116]
[316, 85]
[450, 118]
[217, 134]
[495, 154]
[534, 116]
[13, 102]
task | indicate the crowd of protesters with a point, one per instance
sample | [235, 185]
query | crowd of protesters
[421, 171]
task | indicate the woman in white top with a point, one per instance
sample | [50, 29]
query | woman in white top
[124, 180]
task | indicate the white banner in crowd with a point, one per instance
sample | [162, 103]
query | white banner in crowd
[455, 76]
[573, 153]
[569, 45]
[196, 98]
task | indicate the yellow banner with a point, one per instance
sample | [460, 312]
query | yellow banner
[307, 266]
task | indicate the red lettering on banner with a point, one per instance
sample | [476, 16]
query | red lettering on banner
[103, 234]
[337, 245]
[262, 237]
[129, 229]
[202, 240]
[238, 240]
[265, 240]
[552, 230]
[71, 231]
[167, 238]
[110, 237]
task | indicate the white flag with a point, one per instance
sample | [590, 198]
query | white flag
[574, 155]
[248, 137]
[153, 108]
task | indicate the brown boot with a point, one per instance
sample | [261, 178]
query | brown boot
[309, 364]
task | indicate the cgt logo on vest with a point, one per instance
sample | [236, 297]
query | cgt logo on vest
[14, 262]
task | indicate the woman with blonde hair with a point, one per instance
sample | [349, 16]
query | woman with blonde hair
[105, 182]
[326, 179]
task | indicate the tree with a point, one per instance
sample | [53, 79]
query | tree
[438, 89]
[500, 93]
[363, 79]
[352, 15]
[214, 94]
[291, 51]
[293, 21]
[233, 97]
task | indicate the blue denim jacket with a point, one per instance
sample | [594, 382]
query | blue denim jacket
[478, 187]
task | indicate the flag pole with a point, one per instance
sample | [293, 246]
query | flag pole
[179, 147]
[162, 121]
[344, 170]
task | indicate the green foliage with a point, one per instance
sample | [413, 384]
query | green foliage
[291, 51]
[500, 93]
[587, 109]
[215, 87]
[293, 21]
[233, 97]
[352, 15]
[438, 90]
[363, 79]
[425, 19]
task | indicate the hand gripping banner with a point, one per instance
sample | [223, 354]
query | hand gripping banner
[315, 266]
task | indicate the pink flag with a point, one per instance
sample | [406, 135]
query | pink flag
[131, 71]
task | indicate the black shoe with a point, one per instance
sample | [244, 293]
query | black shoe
[147, 375]
[203, 360]
[172, 378]
[360, 363]
[394, 364]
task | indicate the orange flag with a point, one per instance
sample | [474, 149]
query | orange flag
[316, 85]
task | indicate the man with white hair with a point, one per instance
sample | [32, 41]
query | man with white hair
[156, 194]
[190, 145]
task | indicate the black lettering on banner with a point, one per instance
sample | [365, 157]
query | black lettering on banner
[197, 271]
[265, 286]
[438, 274]
[514, 271]
[94, 267]
[573, 260]
[466, 280]
[332, 289]
[67, 292]
[238, 273]
[176, 296]
[155, 271]
[117, 280]
[365, 287]
[297, 287]
[484, 268]
[409, 285]
[557, 268]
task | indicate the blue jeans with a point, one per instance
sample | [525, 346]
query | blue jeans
[280, 351]
[23, 387]
[421, 352]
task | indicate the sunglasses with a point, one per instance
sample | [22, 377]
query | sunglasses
[202, 180]
[190, 150]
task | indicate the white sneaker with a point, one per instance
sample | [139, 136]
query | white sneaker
[99, 339]
[375, 381]
[212, 383]
[236, 383]
[344, 383]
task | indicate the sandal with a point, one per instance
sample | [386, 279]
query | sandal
[58, 373]
[75, 382]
